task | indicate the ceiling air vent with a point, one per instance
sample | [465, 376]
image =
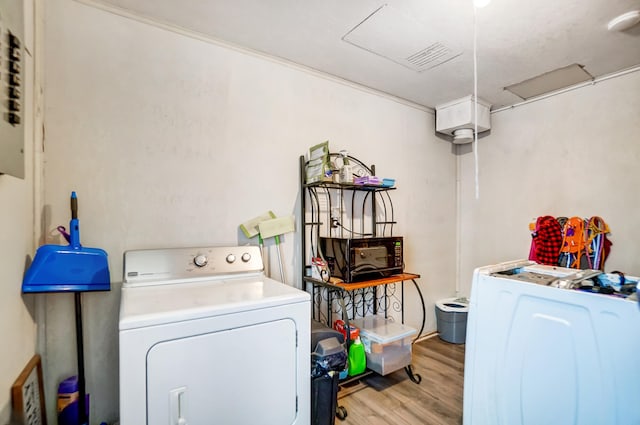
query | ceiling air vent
[435, 54]
[391, 34]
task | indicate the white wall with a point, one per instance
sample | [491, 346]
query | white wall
[17, 311]
[574, 154]
[174, 141]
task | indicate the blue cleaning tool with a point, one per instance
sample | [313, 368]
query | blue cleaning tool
[72, 268]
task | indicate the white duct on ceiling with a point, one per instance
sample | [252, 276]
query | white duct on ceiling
[458, 118]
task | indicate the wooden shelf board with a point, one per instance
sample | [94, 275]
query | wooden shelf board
[367, 283]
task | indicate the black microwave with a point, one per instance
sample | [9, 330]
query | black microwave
[358, 259]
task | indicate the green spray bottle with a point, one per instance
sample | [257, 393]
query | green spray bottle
[357, 358]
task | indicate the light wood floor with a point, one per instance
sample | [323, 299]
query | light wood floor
[395, 399]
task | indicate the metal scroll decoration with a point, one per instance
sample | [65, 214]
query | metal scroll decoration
[358, 303]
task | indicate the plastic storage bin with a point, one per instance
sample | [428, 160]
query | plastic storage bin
[386, 343]
[451, 318]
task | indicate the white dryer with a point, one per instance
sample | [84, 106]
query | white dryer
[206, 337]
[539, 351]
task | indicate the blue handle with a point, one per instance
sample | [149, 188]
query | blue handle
[74, 225]
[74, 233]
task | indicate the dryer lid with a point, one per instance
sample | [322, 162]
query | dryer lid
[144, 306]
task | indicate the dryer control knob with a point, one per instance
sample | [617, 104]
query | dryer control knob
[231, 258]
[246, 257]
[200, 260]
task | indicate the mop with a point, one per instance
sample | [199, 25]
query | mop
[274, 228]
[251, 230]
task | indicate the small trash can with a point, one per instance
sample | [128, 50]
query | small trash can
[451, 318]
[328, 359]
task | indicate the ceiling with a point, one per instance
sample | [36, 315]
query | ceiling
[418, 50]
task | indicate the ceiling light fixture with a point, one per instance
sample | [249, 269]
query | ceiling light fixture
[624, 21]
[481, 3]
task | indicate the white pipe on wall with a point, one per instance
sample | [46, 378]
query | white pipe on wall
[458, 221]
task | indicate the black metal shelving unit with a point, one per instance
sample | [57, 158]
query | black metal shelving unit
[343, 210]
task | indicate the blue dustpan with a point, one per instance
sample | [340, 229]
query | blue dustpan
[72, 268]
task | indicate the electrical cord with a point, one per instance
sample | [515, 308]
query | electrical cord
[353, 232]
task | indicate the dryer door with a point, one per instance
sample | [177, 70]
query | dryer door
[245, 375]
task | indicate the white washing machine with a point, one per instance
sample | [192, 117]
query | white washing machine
[539, 351]
[207, 338]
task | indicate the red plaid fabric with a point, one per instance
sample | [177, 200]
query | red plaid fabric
[546, 241]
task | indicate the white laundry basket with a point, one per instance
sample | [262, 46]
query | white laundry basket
[451, 318]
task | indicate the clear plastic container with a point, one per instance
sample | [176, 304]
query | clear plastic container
[387, 344]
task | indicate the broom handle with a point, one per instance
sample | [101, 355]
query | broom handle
[82, 409]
